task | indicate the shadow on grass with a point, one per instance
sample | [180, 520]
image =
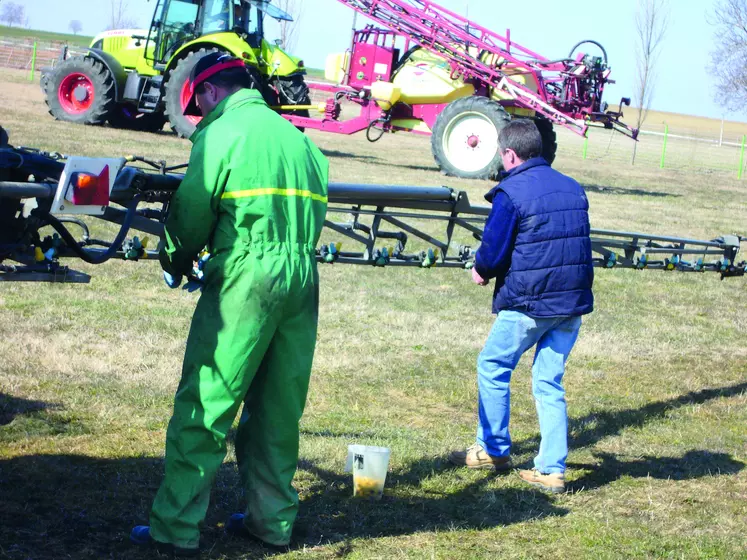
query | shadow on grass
[71, 506]
[597, 425]
[377, 160]
[11, 406]
[600, 189]
[693, 464]
[346, 155]
[329, 514]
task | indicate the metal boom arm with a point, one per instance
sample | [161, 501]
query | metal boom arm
[380, 225]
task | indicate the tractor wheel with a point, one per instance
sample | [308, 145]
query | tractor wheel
[465, 138]
[292, 90]
[80, 90]
[126, 115]
[549, 139]
[177, 94]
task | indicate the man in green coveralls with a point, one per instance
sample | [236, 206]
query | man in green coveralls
[255, 194]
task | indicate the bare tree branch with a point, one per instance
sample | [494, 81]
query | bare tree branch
[12, 13]
[651, 22]
[119, 16]
[289, 29]
[729, 57]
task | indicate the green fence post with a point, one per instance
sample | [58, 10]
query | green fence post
[586, 143]
[741, 158]
[33, 64]
[664, 147]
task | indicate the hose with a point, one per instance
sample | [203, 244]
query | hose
[111, 251]
[372, 126]
[80, 223]
[577, 45]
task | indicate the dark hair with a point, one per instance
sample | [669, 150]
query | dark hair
[231, 78]
[521, 136]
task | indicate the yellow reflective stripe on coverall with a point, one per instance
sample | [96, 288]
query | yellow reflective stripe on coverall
[273, 192]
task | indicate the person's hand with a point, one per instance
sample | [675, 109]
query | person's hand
[477, 279]
[172, 281]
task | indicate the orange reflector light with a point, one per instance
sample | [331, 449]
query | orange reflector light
[85, 180]
[90, 189]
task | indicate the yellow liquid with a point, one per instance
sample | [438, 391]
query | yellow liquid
[365, 487]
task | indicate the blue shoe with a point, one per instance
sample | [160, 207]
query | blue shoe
[140, 535]
[235, 524]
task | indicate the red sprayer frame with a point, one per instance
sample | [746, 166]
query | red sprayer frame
[569, 90]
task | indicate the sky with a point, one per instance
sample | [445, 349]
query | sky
[549, 28]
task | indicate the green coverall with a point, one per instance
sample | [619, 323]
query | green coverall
[255, 194]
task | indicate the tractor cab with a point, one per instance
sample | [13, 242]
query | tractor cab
[177, 22]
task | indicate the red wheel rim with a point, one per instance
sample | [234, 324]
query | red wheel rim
[76, 93]
[184, 101]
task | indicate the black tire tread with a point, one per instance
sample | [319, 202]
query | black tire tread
[103, 83]
[549, 138]
[173, 91]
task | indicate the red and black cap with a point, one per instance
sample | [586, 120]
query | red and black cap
[209, 65]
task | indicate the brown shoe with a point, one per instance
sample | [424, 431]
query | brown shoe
[553, 482]
[475, 457]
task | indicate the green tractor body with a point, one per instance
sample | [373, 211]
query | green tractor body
[138, 79]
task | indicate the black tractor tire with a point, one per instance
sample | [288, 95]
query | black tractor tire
[173, 101]
[292, 90]
[549, 138]
[126, 115]
[80, 90]
[488, 117]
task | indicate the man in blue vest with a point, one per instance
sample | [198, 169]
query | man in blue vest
[536, 246]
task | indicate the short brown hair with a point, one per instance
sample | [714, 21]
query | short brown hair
[521, 136]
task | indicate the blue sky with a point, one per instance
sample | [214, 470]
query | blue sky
[548, 27]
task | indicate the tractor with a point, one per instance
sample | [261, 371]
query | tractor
[138, 79]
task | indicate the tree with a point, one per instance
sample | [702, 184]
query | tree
[729, 57]
[12, 13]
[119, 18]
[289, 29]
[75, 26]
[651, 22]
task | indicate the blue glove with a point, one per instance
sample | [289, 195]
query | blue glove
[172, 281]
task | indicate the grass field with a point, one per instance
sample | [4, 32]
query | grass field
[44, 36]
[657, 388]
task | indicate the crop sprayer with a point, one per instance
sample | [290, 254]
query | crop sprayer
[45, 196]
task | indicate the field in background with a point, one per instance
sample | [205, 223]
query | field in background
[31, 35]
[657, 386]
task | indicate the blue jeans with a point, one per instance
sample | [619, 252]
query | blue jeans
[513, 334]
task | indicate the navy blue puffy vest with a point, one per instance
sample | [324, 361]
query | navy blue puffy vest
[551, 270]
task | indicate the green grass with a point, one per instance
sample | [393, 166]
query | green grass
[43, 36]
[657, 388]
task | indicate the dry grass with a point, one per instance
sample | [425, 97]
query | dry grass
[657, 388]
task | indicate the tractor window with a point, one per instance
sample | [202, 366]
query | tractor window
[178, 26]
[249, 22]
[218, 16]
